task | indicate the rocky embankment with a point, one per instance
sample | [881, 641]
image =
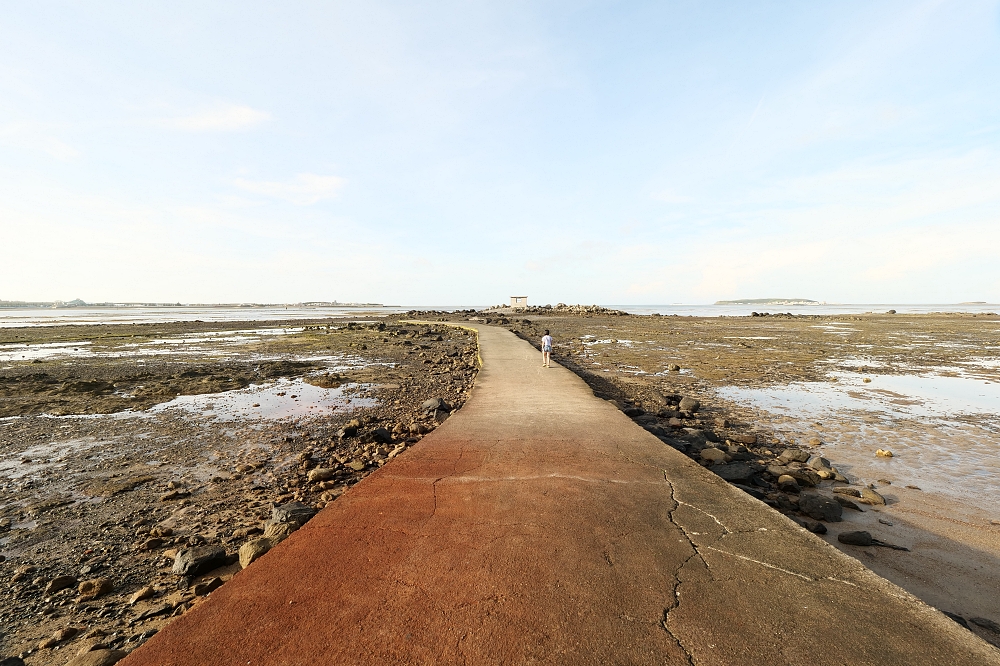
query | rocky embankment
[113, 525]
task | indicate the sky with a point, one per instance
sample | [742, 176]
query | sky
[452, 153]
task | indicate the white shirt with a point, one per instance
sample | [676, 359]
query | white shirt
[546, 340]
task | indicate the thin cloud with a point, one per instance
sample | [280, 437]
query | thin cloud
[303, 190]
[229, 118]
[36, 136]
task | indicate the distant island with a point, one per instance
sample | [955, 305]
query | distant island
[769, 301]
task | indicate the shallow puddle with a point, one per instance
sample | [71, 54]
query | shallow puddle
[283, 399]
[944, 431]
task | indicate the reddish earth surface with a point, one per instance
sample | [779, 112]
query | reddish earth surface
[540, 525]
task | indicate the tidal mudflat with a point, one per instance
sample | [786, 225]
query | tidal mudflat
[793, 410]
[141, 466]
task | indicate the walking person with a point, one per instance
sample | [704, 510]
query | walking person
[546, 349]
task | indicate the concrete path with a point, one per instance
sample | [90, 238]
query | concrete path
[540, 525]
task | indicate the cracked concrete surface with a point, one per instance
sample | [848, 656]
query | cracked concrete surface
[540, 525]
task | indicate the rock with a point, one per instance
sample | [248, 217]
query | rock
[815, 441]
[655, 430]
[320, 474]
[689, 405]
[434, 404]
[60, 583]
[884, 521]
[48, 643]
[788, 484]
[853, 492]
[749, 490]
[251, 551]
[846, 503]
[646, 419]
[820, 463]
[97, 658]
[209, 586]
[860, 538]
[820, 507]
[713, 455]
[151, 543]
[243, 532]
[198, 560]
[142, 593]
[744, 438]
[356, 465]
[293, 512]
[673, 367]
[805, 476]
[384, 436]
[161, 609]
[737, 472]
[675, 423]
[883, 453]
[983, 622]
[65, 633]
[722, 423]
[668, 414]
[278, 532]
[633, 412]
[174, 495]
[869, 496]
[11, 661]
[95, 587]
[811, 525]
[793, 455]
[777, 470]
[957, 618]
[92, 644]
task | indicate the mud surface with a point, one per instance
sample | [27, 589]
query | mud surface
[122, 445]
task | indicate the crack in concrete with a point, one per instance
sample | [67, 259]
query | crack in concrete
[675, 590]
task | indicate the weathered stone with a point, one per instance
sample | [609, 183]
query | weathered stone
[713, 455]
[986, 623]
[793, 455]
[60, 583]
[11, 661]
[860, 538]
[869, 496]
[198, 560]
[737, 472]
[846, 503]
[142, 593]
[853, 492]
[883, 453]
[743, 438]
[819, 507]
[811, 525]
[278, 532]
[788, 484]
[97, 658]
[174, 495]
[293, 512]
[66, 633]
[435, 404]
[201, 589]
[356, 465]
[151, 543]
[321, 474]
[95, 587]
[805, 476]
[253, 550]
[689, 405]
[820, 463]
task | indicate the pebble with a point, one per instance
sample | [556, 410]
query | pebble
[207, 587]
[320, 474]
[688, 405]
[883, 453]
